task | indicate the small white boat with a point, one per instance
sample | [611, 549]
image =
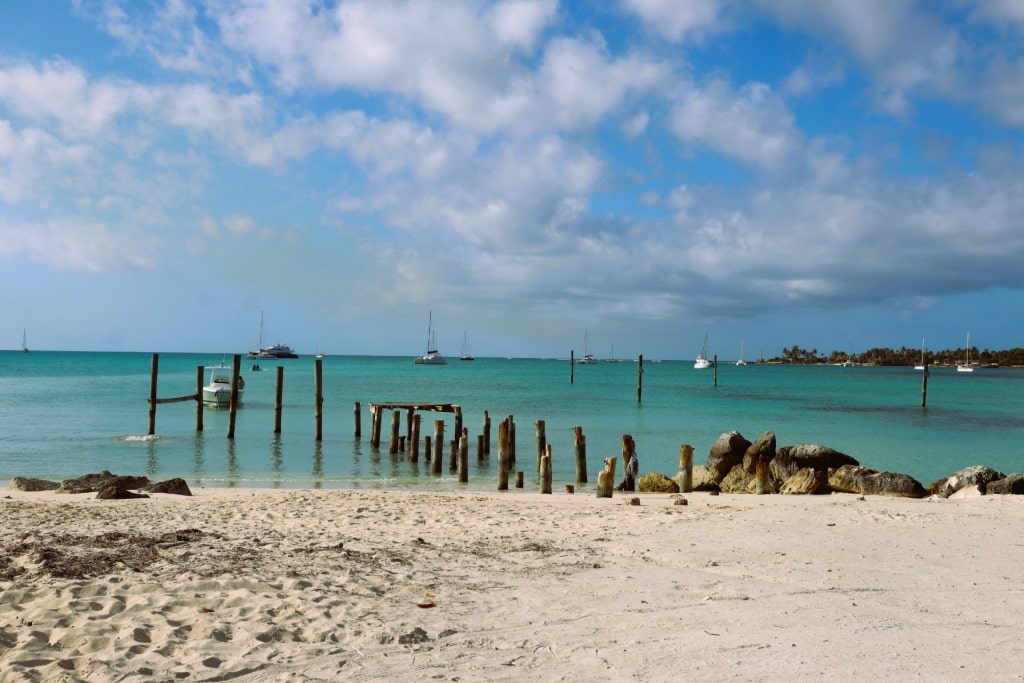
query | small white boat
[966, 366]
[921, 365]
[702, 362]
[741, 361]
[432, 356]
[612, 358]
[465, 355]
[24, 341]
[587, 358]
[217, 391]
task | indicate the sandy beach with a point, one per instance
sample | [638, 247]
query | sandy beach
[330, 585]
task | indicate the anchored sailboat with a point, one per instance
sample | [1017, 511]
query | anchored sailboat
[432, 356]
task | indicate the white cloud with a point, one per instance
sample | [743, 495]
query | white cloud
[680, 20]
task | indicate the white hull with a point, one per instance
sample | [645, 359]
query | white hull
[217, 392]
[701, 364]
[964, 368]
[432, 358]
[588, 359]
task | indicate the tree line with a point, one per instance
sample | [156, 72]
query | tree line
[904, 356]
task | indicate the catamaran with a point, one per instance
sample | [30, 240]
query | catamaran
[702, 362]
[432, 356]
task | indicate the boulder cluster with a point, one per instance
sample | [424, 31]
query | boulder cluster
[105, 485]
[735, 465]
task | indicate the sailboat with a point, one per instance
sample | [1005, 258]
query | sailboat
[702, 362]
[431, 357]
[318, 353]
[966, 367]
[24, 341]
[921, 365]
[465, 349]
[612, 358]
[588, 358]
[741, 361]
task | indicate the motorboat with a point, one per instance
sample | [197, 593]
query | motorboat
[432, 356]
[702, 362]
[270, 352]
[217, 391]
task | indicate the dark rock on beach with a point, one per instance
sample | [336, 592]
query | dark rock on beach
[91, 483]
[806, 481]
[112, 491]
[762, 449]
[656, 482]
[30, 484]
[176, 486]
[725, 454]
[1013, 484]
[977, 475]
[865, 481]
[791, 459]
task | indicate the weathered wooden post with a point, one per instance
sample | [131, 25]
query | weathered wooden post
[762, 476]
[545, 472]
[542, 441]
[640, 378]
[154, 370]
[685, 468]
[426, 450]
[572, 366]
[458, 422]
[375, 426]
[580, 442]
[924, 386]
[396, 420]
[453, 454]
[464, 457]
[715, 366]
[435, 463]
[199, 398]
[606, 478]
[357, 414]
[511, 442]
[487, 433]
[236, 363]
[480, 448]
[278, 399]
[503, 455]
[519, 479]
[318, 397]
[414, 439]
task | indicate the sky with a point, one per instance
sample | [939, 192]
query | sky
[536, 177]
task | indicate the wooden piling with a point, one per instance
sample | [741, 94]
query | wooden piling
[519, 479]
[318, 397]
[199, 398]
[357, 410]
[714, 366]
[480, 448]
[503, 455]
[458, 422]
[154, 370]
[572, 366]
[685, 468]
[542, 441]
[640, 378]
[375, 419]
[426, 449]
[487, 433]
[435, 463]
[236, 364]
[464, 457]
[453, 454]
[762, 476]
[396, 419]
[924, 386]
[279, 399]
[511, 442]
[414, 439]
[580, 444]
[545, 472]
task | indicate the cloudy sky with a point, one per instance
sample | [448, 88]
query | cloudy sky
[836, 174]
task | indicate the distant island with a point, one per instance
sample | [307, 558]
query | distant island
[903, 356]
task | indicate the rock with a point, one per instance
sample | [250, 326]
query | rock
[702, 479]
[1013, 484]
[633, 501]
[791, 459]
[855, 479]
[806, 481]
[681, 501]
[176, 486]
[977, 475]
[30, 484]
[972, 491]
[725, 454]
[737, 481]
[656, 482]
[91, 483]
[762, 449]
[112, 491]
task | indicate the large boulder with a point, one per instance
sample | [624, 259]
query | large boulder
[869, 482]
[725, 454]
[112, 491]
[703, 479]
[176, 486]
[791, 459]
[762, 449]
[1013, 484]
[31, 484]
[976, 475]
[91, 483]
[805, 482]
[737, 481]
[656, 482]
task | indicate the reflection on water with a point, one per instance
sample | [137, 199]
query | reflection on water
[199, 458]
[152, 464]
[318, 464]
[276, 461]
[233, 470]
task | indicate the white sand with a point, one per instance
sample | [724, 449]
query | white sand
[327, 586]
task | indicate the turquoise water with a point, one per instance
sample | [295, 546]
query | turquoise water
[67, 414]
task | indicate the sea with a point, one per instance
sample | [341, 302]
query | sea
[65, 414]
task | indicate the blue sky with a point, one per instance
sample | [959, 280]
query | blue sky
[833, 174]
